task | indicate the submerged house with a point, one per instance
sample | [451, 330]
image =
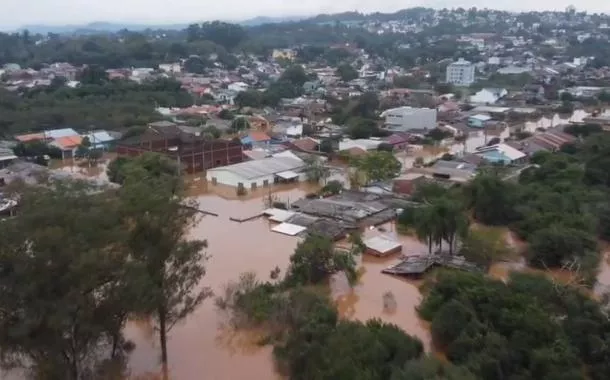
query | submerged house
[501, 154]
[259, 173]
[193, 152]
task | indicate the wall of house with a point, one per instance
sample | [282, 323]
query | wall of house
[476, 123]
[228, 178]
[415, 118]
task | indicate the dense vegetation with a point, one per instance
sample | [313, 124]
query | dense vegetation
[78, 261]
[97, 103]
[559, 206]
[528, 328]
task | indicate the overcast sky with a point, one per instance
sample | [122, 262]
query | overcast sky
[16, 13]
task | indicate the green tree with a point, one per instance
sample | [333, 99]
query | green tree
[347, 72]
[430, 368]
[485, 245]
[315, 170]
[249, 98]
[315, 259]
[553, 245]
[66, 282]
[452, 221]
[295, 75]
[239, 124]
[492, 200]
[158, 219]
[377, 166]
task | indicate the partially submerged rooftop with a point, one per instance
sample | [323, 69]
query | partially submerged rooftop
[351, 207]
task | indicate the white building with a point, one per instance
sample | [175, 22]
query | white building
[259, 173]
[460, 73]
[407, 118]
[238, 87]
[172, 68]
[488, 95]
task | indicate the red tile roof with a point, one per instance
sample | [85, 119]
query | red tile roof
[259, 136]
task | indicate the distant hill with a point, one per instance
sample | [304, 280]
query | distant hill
[109, 27]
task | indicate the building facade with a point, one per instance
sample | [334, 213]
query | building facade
[194, 153]
[460, 73]
[403, 119]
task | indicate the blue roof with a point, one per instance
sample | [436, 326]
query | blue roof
[99, 137]
[495, 156]
[59, 133]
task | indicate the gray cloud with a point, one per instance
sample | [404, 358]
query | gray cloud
[15, 13]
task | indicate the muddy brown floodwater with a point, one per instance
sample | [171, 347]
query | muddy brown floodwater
[203, 348]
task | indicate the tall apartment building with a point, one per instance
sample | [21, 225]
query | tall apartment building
[460, 73]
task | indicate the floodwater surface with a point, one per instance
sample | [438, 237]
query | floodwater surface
[203, 347]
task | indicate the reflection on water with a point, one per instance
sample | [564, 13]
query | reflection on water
[202, 347]
[557, 119]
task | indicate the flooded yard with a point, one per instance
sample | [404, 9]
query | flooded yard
[203, 347]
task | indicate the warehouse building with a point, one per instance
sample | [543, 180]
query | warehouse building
[259, 173]
[405, 119]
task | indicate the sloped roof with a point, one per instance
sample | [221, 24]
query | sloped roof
[262, 167]
[30, 137]
[68, 142]
[59, 133]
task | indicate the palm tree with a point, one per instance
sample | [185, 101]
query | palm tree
[451, 221]
[441, 220]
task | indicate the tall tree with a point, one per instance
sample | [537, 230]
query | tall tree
[377, 166]
[158, 219]
[65, 282]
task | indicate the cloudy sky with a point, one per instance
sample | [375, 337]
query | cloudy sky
[15, 13]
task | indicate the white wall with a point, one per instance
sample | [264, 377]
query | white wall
[225, 177]
[406, 118]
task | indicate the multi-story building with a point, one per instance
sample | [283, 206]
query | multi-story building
[460, 73]
[403, 119]
[193, 152]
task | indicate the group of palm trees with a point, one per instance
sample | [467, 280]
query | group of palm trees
[441, 223]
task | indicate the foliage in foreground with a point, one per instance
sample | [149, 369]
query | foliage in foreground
[528, 328]
[78, 261]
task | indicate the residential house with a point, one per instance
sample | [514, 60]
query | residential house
[7, 157]
[67, 144]
[305, 144]
[172, 68]
[478, 120]
[224, 96]
[403, 119]
[100, 139]
[256, 139]
[551, 140]
[501, 153]
[238, 87]
[488, 95]
[287, 54]
[582, 91]
[398, 140]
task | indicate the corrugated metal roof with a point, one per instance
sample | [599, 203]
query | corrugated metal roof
[59, 133]
[263, 167]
